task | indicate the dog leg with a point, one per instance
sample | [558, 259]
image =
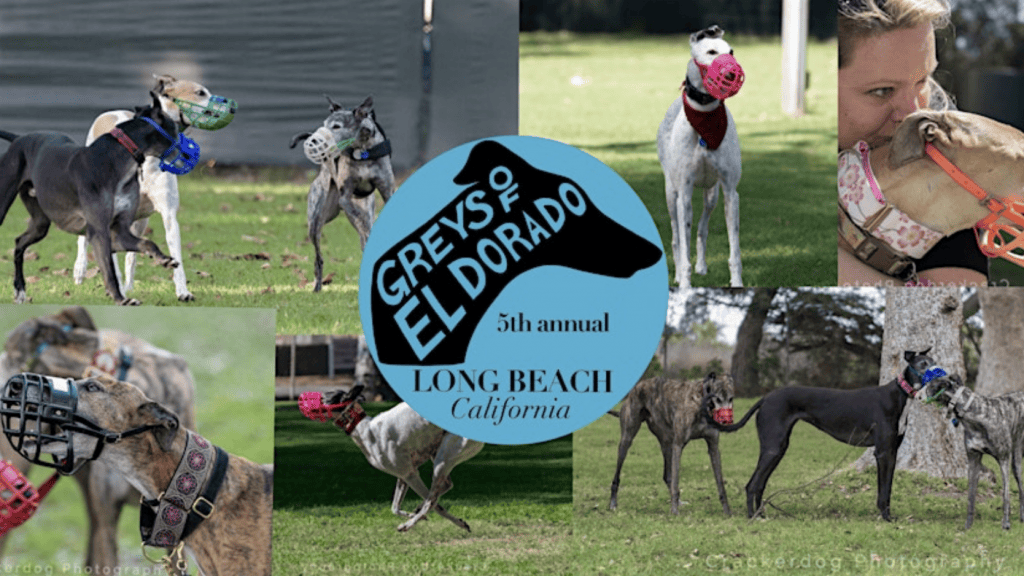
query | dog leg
[102, 252]
[732, 225]
[710, 201]
[1004, 474]
[360, 212]
[774, 443]
[684, 208]
[629, 424]
[321, 207]
[973, 472]
[38, 226]
[81, 260]
[673, 488]
[1017, 475]
[130, 258]
[716, 467]
[885, 459]
[173, 235]
[396, 501]
[105, 497]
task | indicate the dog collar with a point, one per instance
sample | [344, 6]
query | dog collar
[695, 94]
[128, 143]
[375, 152]
[189, 497]
[988, 232]
[105, 362]
[906, 387]
[350, 418]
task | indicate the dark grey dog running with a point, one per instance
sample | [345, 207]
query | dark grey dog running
[676, 412]
[862, 417]
[84, 189]
[993, 426]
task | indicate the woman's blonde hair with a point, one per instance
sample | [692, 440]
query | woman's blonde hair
[859, 19]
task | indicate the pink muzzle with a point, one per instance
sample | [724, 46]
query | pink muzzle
[350, 414]
[723, 77]
[722, 415]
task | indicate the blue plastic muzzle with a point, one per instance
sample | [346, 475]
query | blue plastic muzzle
[182, 156]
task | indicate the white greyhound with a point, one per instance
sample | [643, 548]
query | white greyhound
[158, 189]
[398, 441]
[698, 147]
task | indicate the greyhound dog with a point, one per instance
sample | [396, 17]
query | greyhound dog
[159, 189]
[215, 505]
[698, 147]
[398, 441]
[993, 426]
[85, 189]
[68, 344]
[676, 412]
[355, 159]
[899, 198]
[862, 417]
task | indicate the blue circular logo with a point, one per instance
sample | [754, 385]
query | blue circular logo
[513, 290]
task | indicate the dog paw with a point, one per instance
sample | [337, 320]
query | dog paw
[129, 302]
[186, 297]
[21, 298]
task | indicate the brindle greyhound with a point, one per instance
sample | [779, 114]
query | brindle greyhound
[65, 344]
[676, 412]
[862, 417]
[993, 426]
[233, 536]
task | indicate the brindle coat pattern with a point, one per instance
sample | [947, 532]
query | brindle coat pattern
[993, 426]
[672, 410]
[72, 338]
[236, 538]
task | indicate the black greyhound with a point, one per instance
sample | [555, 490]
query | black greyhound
[84, 189]
[862, 417]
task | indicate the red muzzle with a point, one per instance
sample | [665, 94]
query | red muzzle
[723, 77]
[722, 415]
[18, 498]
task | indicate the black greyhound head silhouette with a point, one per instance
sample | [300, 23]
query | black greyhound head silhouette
[430, 289]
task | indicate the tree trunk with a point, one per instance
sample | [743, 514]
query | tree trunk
[917, 319]
[748, 340]
[1001, 344]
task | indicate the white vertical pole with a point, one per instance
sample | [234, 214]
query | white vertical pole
[795, 15]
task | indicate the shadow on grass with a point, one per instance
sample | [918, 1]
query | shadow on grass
[317, 465]
[787, 211]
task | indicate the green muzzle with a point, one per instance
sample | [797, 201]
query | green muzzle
[218, 113]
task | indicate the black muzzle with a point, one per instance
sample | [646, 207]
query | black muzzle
[39, 413]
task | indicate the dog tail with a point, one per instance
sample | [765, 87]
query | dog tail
[741, 423]
[614, 413]
[9, 136]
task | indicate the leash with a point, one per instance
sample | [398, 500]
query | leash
[19, 500]
[987, 231]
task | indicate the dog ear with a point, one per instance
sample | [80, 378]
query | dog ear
[925, 351]
[913, 133]
[299, 138]
[334, 105]
[365, 109]
[708, 381]
[163, 80]
[354, 393]
[76, 317]
[908, 355]
[167, 423]
[712, 31]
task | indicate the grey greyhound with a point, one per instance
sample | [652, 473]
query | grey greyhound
[993, 426]
[359, 163]
[84, 189]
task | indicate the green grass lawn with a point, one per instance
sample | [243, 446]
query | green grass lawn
[819, 523]
[787, 213]
[229, 354]
[332, 510]
[244, 245]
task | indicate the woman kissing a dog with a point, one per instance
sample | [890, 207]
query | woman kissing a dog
[886, 61]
